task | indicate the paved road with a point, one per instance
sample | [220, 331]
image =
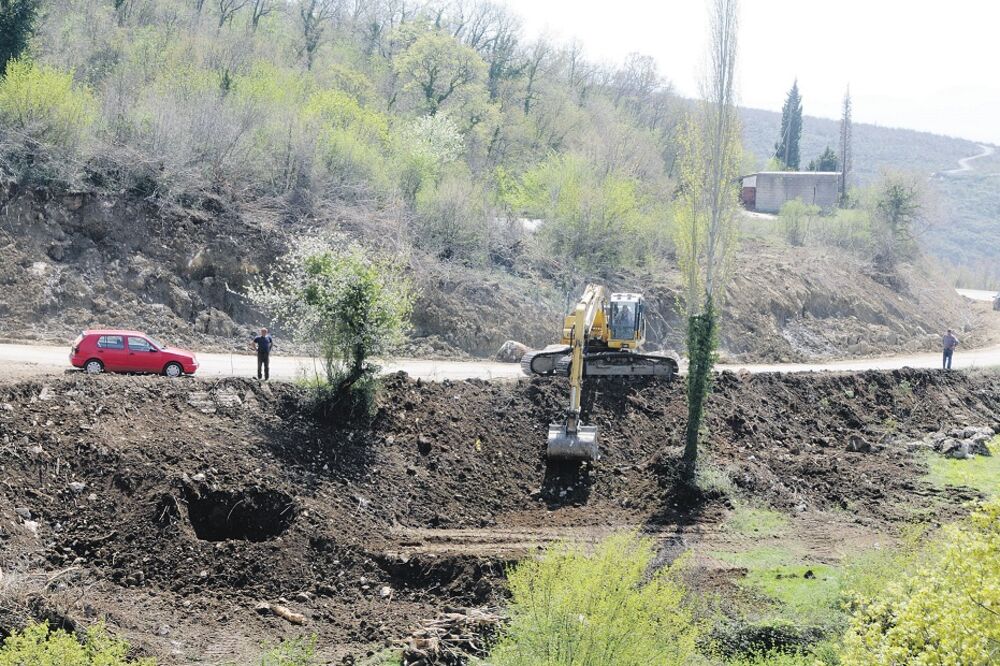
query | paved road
[49, 359]
[977, 294]
[24, 360]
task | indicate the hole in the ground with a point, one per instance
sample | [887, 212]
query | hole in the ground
[249, 515]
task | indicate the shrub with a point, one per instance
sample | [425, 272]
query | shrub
[423, 147]
[40, 645]
[796, 217]
[43, 103]
[569, 608]
[593, 220]
[294, 652]
[945, 611]
[349, 303]
[452, 218]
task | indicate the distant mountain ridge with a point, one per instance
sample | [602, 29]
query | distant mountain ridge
[968, 239]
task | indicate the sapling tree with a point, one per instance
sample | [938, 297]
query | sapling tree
[351, 304]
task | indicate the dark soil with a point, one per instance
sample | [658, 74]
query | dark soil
[203, 498]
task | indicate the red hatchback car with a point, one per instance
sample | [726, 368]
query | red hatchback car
[129, 351]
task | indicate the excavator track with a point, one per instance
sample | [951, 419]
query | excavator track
[626, 364]
[556, 361]
[544, 362]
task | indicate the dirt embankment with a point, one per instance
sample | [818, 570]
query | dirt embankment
[69, 261]
[173, 508]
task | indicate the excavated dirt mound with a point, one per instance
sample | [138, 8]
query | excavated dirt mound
[172, 508]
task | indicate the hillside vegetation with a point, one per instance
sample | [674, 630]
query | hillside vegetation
[438, 120]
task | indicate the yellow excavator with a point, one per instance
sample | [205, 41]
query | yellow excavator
[601, 337]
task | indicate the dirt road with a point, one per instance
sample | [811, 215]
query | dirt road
[22, 361]
[964, 164]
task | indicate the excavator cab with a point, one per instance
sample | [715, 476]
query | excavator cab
[628, 321]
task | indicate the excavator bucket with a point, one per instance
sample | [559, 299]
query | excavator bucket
[580, 445]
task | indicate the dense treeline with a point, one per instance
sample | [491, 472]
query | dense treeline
[439, 115]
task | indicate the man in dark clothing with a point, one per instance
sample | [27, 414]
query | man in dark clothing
[949, 342]
[263, 344]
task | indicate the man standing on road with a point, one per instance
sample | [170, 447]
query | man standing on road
[949, 342]
[263, 344]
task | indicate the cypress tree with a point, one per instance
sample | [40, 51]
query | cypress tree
[17, 21]
[846, 151]
[787, 147]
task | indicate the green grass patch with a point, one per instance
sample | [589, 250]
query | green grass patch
[818, 655]
[764, 557]
[979, 472]
[809, 591]
[806, 592]
[751, 521]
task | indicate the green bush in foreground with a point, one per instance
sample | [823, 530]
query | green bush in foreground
[293, 652]
[573, 609]
[38, 645]
[945, 611]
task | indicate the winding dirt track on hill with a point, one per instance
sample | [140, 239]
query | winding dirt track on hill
[965, 164]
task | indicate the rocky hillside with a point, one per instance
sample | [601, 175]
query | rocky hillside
[80, 260]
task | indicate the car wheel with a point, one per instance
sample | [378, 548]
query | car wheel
[93, 367]
[173, 370]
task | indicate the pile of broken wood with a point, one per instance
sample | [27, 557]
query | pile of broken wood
[452, 637]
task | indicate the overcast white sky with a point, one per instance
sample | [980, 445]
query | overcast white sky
[920, 64]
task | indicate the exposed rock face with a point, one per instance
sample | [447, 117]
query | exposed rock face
[511, 352]
[82, 260]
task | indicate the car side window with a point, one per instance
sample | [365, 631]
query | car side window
[111, 342]
[138, 344]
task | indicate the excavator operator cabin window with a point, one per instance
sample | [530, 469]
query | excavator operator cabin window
[622, 321]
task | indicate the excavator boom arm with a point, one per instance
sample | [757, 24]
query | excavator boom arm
[592, 303]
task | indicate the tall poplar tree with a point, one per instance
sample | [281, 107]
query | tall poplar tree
[846, 151]
[706, 226]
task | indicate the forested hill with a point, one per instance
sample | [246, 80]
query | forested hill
[967, 230]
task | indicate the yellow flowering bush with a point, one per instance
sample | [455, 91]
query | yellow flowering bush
[946, 612]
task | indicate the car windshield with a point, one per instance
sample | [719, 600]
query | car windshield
[154, 342]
